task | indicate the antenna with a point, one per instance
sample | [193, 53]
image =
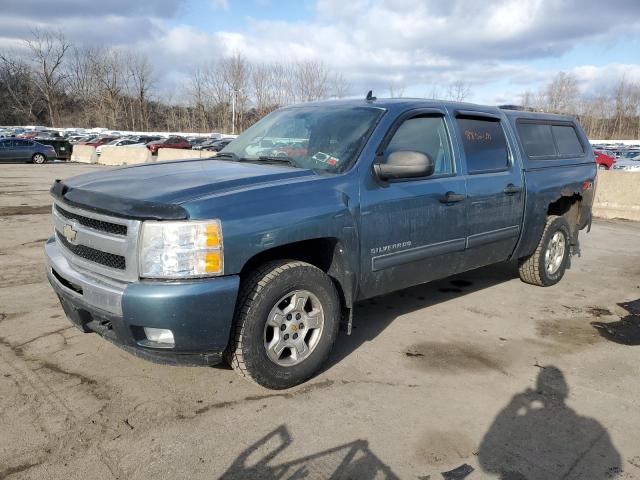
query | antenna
[370, 97]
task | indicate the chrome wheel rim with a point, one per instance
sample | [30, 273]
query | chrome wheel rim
[555, 253]
[38, 159]
[293, 328]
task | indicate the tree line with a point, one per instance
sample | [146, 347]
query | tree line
[50, 81]
[613, 113]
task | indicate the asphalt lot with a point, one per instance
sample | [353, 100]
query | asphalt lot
[473, 372]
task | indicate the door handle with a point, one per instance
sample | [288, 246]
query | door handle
[452, 197]
[511, 189]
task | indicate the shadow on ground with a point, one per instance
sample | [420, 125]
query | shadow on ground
[351, 460]
[538, 437]
[372, 317]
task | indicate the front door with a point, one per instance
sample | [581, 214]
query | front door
[494, 186]
[413, 230]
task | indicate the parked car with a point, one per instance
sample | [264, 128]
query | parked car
[628, 164]
[217, 145]
[144, 139]
[62, 146]
[629, 153]
[604, 161]
[97, 141]
[118, 142]
[197, 141]
[171, 142]
[24, 150]
[259, 259]
[207, 143]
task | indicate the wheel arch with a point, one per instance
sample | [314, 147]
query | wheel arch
[329, 254]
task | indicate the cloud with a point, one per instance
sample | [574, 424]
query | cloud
[220, 4]
[412, 44]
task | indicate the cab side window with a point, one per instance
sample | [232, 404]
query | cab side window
[484, 144]
[428, 135]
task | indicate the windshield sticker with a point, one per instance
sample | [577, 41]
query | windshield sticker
[322, 157]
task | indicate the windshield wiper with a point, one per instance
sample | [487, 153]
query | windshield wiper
[289, 160]
[230, 155]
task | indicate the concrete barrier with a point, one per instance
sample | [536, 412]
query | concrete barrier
[165, 154]
[124, 156]
[84, 154]
[617, 195]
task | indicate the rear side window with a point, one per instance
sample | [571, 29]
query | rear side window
[567, 140]
[544, 140]
[484, 145]
[537, 139]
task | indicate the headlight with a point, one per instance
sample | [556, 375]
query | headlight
[181, 249]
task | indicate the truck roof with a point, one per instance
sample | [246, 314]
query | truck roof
[394, 104]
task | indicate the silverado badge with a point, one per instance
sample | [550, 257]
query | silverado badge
[69, 233]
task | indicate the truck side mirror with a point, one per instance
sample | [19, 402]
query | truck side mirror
[404, 164]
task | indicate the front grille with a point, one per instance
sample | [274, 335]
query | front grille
[103, 258]
[101, 225]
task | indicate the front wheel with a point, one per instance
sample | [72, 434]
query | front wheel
[602, 167]
[286, 323]
[547, 264]
[38, 158]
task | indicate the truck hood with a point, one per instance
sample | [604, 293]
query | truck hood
[147, 188]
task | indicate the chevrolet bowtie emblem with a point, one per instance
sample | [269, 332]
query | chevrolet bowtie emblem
[69, 233]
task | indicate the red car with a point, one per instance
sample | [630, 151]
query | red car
[171, 142]
[604, 161]
[96, 142]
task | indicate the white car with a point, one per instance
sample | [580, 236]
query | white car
[628, 164]
[119, 142]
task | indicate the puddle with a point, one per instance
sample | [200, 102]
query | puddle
[626, 331]
[451, 358]
[568, 331]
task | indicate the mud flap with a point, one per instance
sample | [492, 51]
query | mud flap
[347, 320]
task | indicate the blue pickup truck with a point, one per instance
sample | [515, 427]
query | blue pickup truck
[258, 256]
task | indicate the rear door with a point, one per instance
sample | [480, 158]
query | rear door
[413, 230]
[495, 187]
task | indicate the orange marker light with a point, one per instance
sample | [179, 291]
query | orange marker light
[212, 262]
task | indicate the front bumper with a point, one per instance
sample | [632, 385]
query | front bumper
[199, 312]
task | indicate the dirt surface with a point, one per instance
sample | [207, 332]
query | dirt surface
[454, 379]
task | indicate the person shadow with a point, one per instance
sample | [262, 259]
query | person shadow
[537, 436]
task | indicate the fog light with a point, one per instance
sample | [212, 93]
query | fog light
[160, 335]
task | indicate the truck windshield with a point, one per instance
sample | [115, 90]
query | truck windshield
[316, 137]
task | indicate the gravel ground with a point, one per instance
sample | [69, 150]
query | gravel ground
[477, 376]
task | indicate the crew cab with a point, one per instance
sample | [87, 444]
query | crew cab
[258, 259]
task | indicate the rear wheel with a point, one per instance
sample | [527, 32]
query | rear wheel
[38, 158]
[602, 167]
[286, 323]
[547, 264]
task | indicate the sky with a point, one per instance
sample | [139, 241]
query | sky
[500, 48]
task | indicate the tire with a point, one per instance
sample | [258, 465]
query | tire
[38, 158]
[602, 167]
[263, 293]
[534, 268]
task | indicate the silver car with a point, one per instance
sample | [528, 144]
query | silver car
[23, 150]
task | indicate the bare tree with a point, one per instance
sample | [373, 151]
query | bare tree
[458, 91]
[48, 51]
[18, 91]
[396, 90]
[141, 74]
